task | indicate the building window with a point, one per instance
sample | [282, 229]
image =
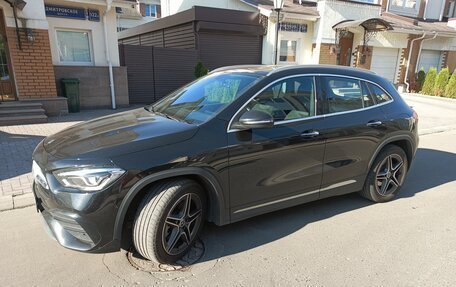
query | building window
[150, 10]
[288, 51]
[74, 47]
[405, 6]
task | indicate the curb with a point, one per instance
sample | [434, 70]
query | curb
[10, 202]
[451, 100]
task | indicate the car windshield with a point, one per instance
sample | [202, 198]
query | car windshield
[206, 97]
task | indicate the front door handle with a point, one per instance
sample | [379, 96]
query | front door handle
[310, 134]
[374, 124]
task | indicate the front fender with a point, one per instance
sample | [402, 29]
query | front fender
[218, 211]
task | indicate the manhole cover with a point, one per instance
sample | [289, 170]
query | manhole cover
[193, 255]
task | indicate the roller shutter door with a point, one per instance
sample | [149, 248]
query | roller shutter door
[385, 62]
[429, 58]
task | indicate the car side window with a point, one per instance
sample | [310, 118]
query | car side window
[379, 95]
[343, 94]
[289, 99]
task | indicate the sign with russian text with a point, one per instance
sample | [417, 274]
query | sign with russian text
[293, 27]
[94, 15]
[65, 12]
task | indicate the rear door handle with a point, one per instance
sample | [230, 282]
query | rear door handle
[310, 134]
[374, 123]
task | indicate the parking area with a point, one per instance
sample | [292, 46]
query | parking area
[342, 241]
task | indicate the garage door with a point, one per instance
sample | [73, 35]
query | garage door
[384, 62]
[429, 58]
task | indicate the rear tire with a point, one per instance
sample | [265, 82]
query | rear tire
[386, 175]
[169, 219]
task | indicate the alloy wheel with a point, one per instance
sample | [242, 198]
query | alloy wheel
[390, 174]
[182, 223]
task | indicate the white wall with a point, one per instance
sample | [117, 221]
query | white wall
[385, 40]
[33, 12]
[440, 43]
[171, 7]
[96, 31]
[304, 42]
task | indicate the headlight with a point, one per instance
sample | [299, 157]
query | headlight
[39, 176]
[88, 179]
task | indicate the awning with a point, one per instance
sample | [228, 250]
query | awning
[369, 25]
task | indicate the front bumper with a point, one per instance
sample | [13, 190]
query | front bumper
[77, 221]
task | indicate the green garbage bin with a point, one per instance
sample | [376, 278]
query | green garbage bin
[71, 92]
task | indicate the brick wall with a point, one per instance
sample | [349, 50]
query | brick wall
[33, 68]
[363, 56]
[328, 54]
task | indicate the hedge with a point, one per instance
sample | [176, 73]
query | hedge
[420, 79]
[429, 82]
[450, 90]
[441, 82]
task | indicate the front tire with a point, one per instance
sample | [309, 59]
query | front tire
[169, 219]
[386, 175]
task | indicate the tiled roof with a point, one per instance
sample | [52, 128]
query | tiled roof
[399, 22]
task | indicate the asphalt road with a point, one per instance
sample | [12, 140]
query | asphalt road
[343, 241]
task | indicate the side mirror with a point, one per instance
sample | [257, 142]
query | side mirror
[256, 119]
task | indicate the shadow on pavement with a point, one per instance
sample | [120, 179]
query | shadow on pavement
[430, 168]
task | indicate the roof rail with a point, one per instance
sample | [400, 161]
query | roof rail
[226, 68]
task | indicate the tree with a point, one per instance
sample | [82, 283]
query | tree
[420, 76]
[441, 82]
[200, 70]
[429, 82]
[450, 90]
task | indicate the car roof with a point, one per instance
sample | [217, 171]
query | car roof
[266, 70]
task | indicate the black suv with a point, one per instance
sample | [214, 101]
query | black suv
[239, 142]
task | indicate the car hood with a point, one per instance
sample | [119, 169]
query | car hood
[117, 134]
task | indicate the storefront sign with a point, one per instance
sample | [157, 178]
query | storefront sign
[65, 12]
[94, 15]
[293, 27]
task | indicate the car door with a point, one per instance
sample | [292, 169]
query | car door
[354, 127]
[275, 167]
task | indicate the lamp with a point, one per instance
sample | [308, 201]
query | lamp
[278, 6]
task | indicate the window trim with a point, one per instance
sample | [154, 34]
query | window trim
[296, 51]
[64, 63]
[314, 75]
[405, 10]
[151, 6]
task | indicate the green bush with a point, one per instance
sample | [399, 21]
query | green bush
[429, 82]
[441, 82]
[200, 70]
[420, 76]
[450, 90]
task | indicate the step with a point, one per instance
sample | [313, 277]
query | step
[22, 120]
[21, 112]
[19, 105]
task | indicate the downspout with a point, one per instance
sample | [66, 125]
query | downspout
[421, 46]
[408, 61]
[108, 56]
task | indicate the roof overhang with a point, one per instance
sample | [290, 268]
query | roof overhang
[369, 25]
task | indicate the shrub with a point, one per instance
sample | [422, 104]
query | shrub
[200, 70]
[420, 76]
[450, 90]
[429, 82]
[441, 81]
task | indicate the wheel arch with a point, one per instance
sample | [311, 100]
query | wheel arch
[403, 141]
[216, 199]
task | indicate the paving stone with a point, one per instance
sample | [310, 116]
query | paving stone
[6, 202]
[23, 200]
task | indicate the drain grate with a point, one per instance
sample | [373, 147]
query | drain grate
[192, 256]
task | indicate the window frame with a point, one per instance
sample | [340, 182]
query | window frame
[65, 63]
[150, 10]
[296, 51]
[318, 97]
[405, 10]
